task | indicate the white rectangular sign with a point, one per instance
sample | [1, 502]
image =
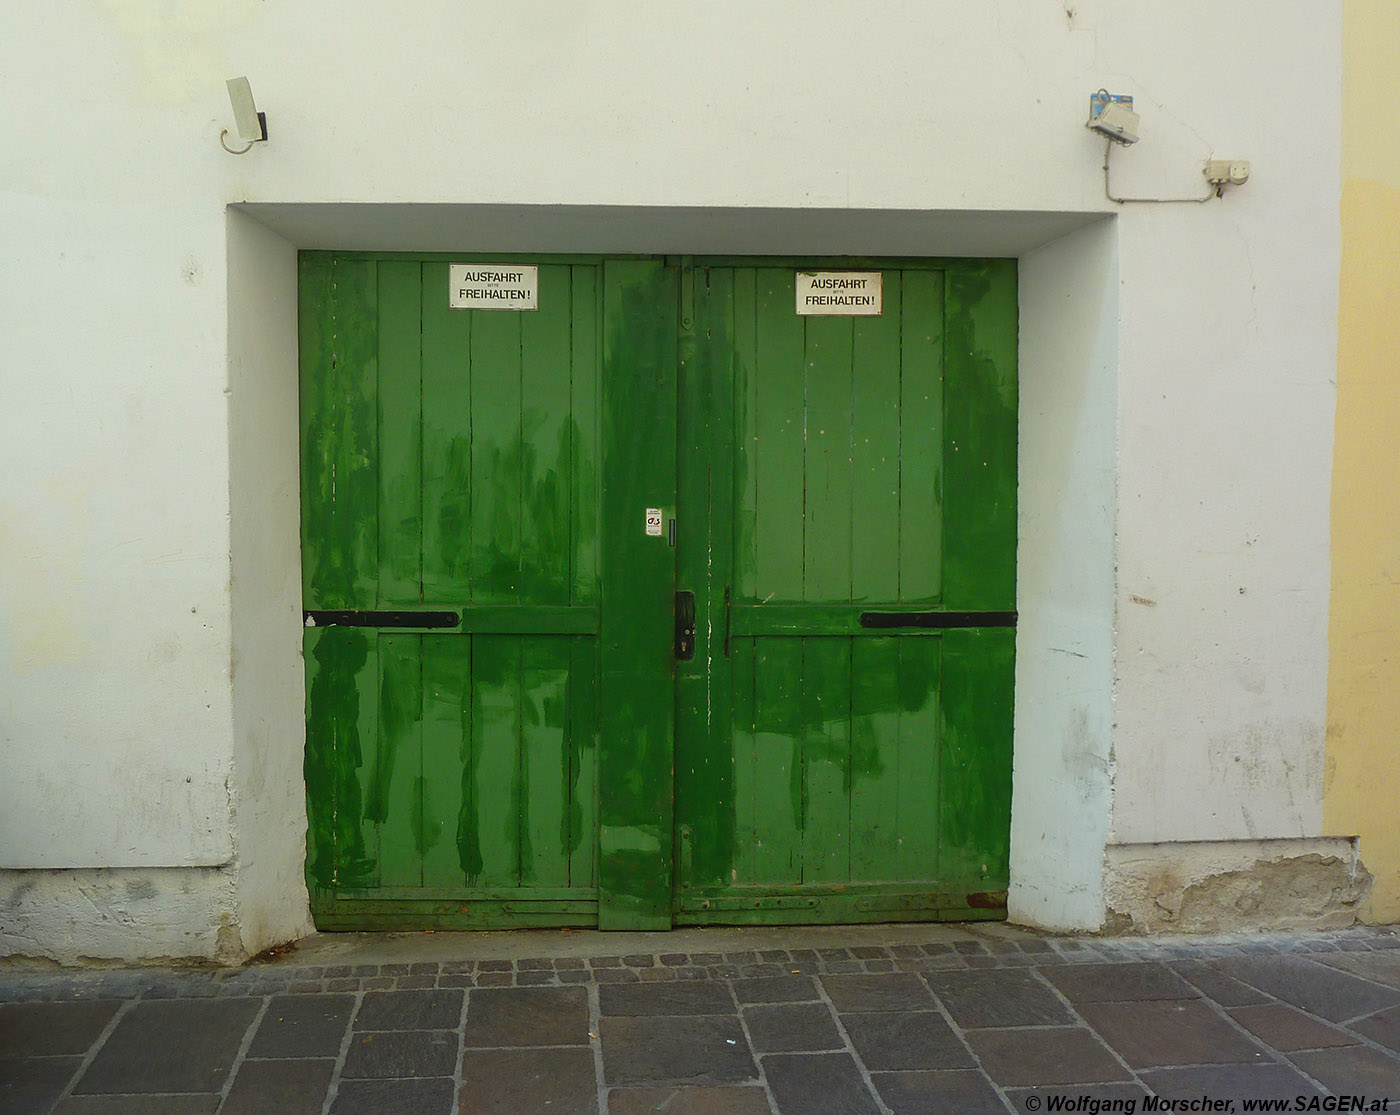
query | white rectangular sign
[839, 293]
[493, 286]
[653, 522]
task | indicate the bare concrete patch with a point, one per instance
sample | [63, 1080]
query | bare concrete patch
[1215, 887]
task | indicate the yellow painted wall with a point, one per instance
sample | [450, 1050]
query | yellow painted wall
[1361, 792]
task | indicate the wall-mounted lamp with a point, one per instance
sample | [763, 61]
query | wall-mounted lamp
[251, 124]
[1112, 115]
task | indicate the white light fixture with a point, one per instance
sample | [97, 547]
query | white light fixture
[1112, 115]
[251, 124]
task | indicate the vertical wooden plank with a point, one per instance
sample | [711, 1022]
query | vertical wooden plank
[396, 802]
[826, 755]
[636, 695]
[339, 449]
[341, 727]
[745, 396]
[584, 387]
[583, 761]
[778, 767]
[779, 440]
[400, 433]
[704, 549]
[980, 458]
[875, 769]
[920, 726]
[826, 520]
[496, 757]
[921, 437]
[446, 738]
[875, 417]
[545, 442]
[447, 426]
[496, 480]
[975, 791]
[546, 775]
[745, 750]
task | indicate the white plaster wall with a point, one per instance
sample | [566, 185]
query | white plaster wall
[118, 719]
[1061, 792]
[268, 735]
[129, 914]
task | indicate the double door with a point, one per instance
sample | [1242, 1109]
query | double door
[662, 602]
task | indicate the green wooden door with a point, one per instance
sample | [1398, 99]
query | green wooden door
[847, 510]
[454, 515]
[498, 731]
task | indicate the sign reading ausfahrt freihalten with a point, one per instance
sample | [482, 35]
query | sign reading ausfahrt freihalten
[493, 286]
[840, 293]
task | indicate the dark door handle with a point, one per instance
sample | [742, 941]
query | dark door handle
[685, 626]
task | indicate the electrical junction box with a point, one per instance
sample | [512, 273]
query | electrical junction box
[1227, 172]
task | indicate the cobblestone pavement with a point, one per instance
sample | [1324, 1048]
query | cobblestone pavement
[961, 1019]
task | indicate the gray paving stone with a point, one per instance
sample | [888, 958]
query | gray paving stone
[286, 1087]
[401, 1097]
[893, 1041]
[34, 1083]
[706, 1049]
[1288, 1029]
[792, 1028]
[998, 999]
[1315, 987]
[1170, 1032]
[1353, 1070]
[1034, 1058]
[615, 975]
[1089, 1097]
[1382, 967]
[1119, 983]
[302, 1026]
[52, 1029]
[1271, 1081]
[171, 1046]
[818, 1084]
[519, 1016]
[514, 1081]
[777, 989]
[865, 993]
[188, 1104]
[739, 1099]
[1211, 981]
[410, 1010]
[668, 999]
[1382, 1028]
[391, 1054]
[535, 978]
[963, 1091]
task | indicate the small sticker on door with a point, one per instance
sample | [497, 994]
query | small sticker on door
[653, 522]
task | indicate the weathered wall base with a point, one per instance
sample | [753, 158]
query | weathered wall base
[1221, 886]
[136, 914]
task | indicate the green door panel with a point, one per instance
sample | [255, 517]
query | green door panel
[545, 759]
[831, 467]
[450, 462]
